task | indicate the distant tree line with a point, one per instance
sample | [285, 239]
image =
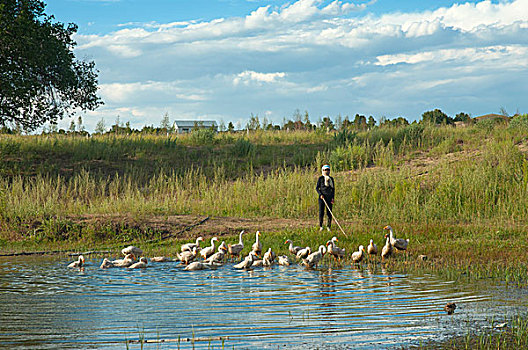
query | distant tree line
[299, 121]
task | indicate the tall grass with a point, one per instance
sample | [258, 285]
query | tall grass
[487, 183]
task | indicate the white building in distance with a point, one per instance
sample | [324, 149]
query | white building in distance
[185, 126]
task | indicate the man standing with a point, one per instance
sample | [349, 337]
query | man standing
[326, 190]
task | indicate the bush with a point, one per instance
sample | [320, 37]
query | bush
[243, 147]
[203, 136]
[519, 122]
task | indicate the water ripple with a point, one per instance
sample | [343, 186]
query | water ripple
[43, 304]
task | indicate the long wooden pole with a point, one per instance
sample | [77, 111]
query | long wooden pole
[337, 222]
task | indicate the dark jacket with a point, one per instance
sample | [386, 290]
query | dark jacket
[326, 191]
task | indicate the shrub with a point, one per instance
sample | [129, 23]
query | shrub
[243, 147]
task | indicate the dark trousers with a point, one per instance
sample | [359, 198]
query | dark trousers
[322, 208]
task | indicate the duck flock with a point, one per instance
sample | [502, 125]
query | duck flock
[194, 257]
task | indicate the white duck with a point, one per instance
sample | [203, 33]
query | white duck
[313, 259]
[125, 262]
[160, 259]
[268, 258]
[197, 265]
[372, 248]
[284, 260]
[208, 251]
[386, 251]
[132, 250]
[258, 263]
[257, 246]
[78, 263]
[247, 262]
[106, 264]
[189, 246]
[187, 256]
[303, 253]
[334, 250]
[398, 243]
[218, 257]
[293, 249]
[358, 256]
[141, 264]
[235, 249]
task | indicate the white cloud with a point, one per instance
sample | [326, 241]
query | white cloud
[247, 77]
[514, 56]
[132, 92]
[319, 56]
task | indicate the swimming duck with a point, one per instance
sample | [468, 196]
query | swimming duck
[132, 250]
[106, 264]
[257, 246]
[258, 263]
[208, 251]
[313, 259]
[125, 262]
[247, 262]
[284, 260]
[293, 249]
[358, 256]
[187, 256]
[160, 259]
[386, 251]
[189, 246]
[197, 265]
[398, 243]
[372, 248]
[303, 253]
[141, 264]
[235, 249]
[450, 308]
[78, 263]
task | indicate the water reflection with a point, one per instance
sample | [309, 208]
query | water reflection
[44, 305]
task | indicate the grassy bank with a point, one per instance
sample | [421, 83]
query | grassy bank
[460, 194]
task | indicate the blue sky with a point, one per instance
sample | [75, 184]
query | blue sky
[228, 59]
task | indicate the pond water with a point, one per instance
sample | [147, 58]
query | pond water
[45, 305]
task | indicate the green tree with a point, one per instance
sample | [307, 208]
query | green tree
[436, 117]
[307, 123]
[360, 121]
[327, 124]
[100, 127]
[254, 123]
[165, 123]
[71, 129]
[371, 122]
[462, 117]
[40, 78]
[230, 127]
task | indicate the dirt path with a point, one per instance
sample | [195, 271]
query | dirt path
[174, 224]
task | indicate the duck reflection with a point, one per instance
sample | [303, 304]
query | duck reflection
[328, 290]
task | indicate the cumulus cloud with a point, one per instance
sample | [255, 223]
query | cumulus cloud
[247, 77]
[328, 57]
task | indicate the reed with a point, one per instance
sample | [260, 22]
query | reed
[512, 335]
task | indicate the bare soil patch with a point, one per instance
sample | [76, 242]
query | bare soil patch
[175, 224]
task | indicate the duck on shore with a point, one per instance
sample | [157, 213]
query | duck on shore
[398, 243]
[235, 249]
